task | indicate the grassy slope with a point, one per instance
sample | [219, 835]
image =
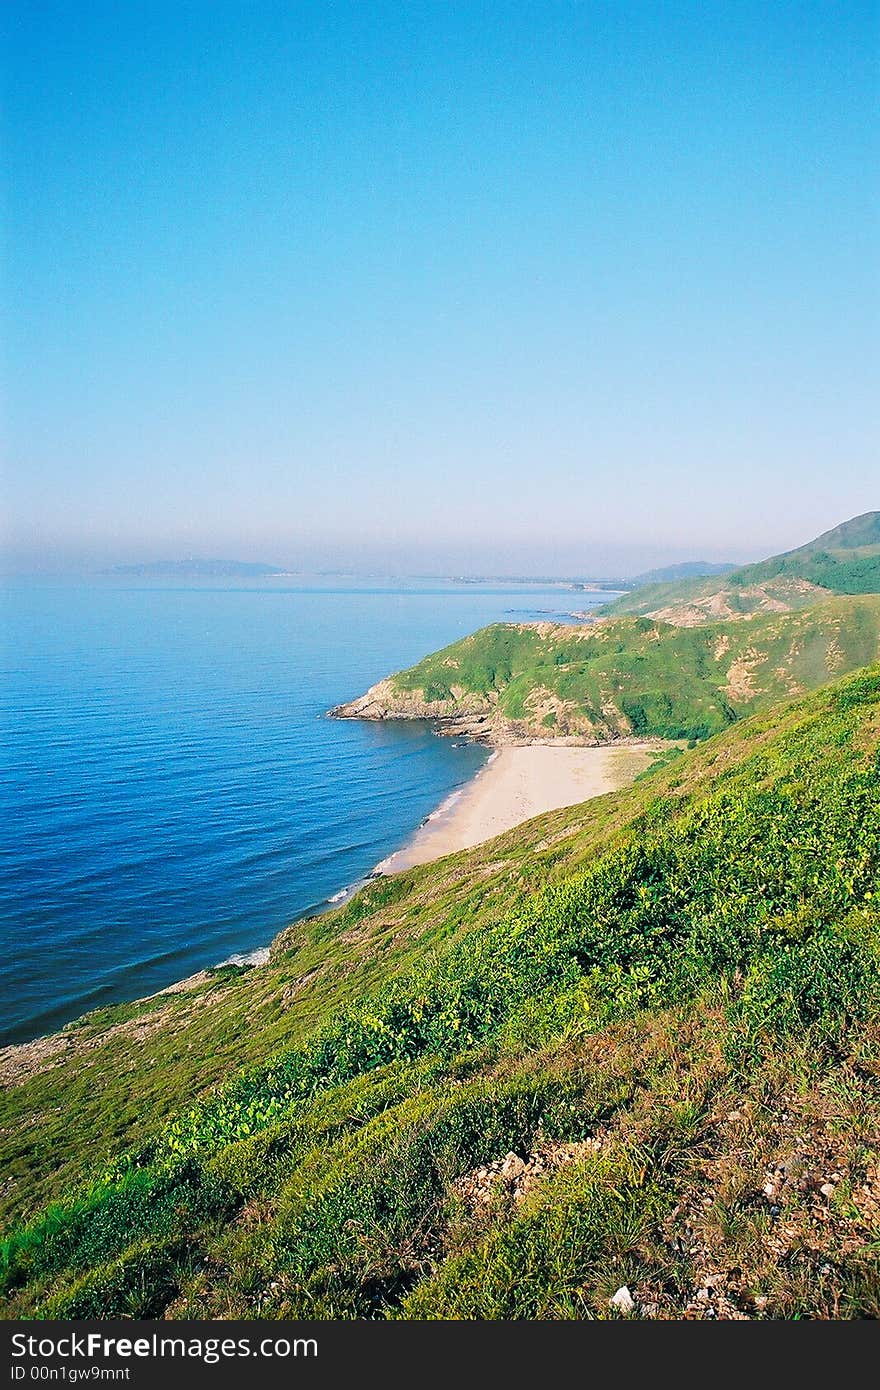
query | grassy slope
[845, 560]
[650, 598]
[688, 569]
[639, 676]
[665, 1002]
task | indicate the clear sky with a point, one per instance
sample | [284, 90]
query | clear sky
[567, 287]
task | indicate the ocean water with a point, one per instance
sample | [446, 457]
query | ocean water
[171, 790]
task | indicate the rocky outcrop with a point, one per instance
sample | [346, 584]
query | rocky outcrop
[475, 716]
[478, 717]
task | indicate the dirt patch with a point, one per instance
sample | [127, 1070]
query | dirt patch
[778, 595]
[510, 1178]
[834, 657]
[740, 677]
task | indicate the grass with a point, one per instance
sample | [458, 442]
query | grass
[665, 1003]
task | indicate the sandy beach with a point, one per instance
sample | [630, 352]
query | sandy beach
[516, 784]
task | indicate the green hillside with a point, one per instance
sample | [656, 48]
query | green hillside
[632, 1043]
[844, 560]
[861, 533]
[631, 676]
[645, 599]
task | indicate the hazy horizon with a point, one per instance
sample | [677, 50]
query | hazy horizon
[529, 562]
[582, 289]
[608, 559]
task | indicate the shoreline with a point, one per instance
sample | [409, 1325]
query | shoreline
[517, 783]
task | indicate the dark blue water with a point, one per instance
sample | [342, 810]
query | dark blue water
[171, 792]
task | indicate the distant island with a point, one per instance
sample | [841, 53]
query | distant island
[197, 569]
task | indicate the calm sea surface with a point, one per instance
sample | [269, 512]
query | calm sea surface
[171, 792]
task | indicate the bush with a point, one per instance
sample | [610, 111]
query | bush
[113, 1216]
[141, 1285]
[821, 984]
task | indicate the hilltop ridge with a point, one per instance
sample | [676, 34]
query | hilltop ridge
[843, 560]
[686, 569]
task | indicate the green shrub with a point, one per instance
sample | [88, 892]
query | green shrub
[821, 984]
[140, 1285]
[110, 1218]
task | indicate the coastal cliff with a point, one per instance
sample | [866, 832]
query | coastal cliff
[463, 712]
[624, 678]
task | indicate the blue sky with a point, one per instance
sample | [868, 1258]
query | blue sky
[549, 287]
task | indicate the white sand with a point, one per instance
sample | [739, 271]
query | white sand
[516, 784]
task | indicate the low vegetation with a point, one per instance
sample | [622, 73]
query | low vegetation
[632, 1044]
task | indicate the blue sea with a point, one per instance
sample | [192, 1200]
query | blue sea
[172, 793]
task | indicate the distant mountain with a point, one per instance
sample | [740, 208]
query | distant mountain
[861, 533]
[844, 560]
[688, 569]
[197, 569]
